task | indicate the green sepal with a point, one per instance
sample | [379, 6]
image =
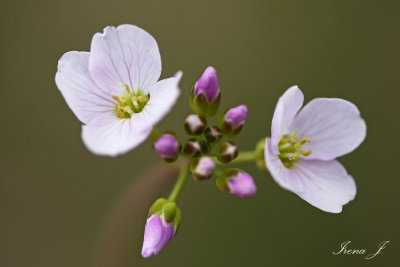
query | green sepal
[177, 220]
[157, 207]
[259, 155]
[222, 179]
[169, 211]
[202, 106]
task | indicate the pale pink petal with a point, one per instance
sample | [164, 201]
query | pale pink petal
[108, 135]
[124, 55]
[324, 184]
[82, 95]
[153, 235]
[157, 234]
[163, 96]
[288, 105]
[333, 125]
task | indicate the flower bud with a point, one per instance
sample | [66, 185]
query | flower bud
[194, 124]
[226, 152]
[161, 225]
[212, 134]
[206, 95]
[167, 147]
[202, 169]
[231, 122]
[192, 148]
[236, 182]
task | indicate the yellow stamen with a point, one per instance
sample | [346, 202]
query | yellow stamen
[304, 140]
[306, 153]
[116, 98]
[292, 140]
[128, 90]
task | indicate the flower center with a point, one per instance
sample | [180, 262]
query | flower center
[290, 149]
[130, 102]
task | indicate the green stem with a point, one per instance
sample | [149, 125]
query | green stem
[155, 134]
[180, 182]
[244, 156]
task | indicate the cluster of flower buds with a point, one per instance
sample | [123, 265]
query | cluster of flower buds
[204, 148]
[162, 223]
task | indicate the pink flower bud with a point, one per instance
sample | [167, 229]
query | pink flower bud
[208, 84]
[231, 122]
[242, 185]
[194, 124]
[202, 169]
[157, 234]
[236, 116]
[167, 147]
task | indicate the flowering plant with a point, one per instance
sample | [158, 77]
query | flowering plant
[114, 91]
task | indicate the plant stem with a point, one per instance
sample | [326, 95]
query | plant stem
[180, 182]
[244, 156]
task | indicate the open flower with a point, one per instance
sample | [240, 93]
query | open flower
[304, 144]
[114, 89]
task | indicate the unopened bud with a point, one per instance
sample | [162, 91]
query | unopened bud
[194, 124]
[213, 134]
[206, 94]
[161, 225]
[202, 168]
[168, 147]
[236, 182]
[226, 152]
[192, 148]
[231, 122]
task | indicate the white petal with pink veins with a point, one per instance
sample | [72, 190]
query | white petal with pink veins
[333, 125]
[108, 135]
[163, 96]
[80, 92]
[288, 105]
[324, 184]
[124, 55]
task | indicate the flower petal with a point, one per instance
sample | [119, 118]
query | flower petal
[324, 184]
[333, 125]
[108, 135]
[163, 96]
[153, 235]
[288, 105]
[124, 55]
[156, 235]
[82, 95]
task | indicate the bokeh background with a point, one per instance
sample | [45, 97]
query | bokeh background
[63, 206]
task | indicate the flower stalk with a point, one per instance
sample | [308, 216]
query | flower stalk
[180, 182]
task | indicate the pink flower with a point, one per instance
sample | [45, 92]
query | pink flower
[114, 89]
[300, 155]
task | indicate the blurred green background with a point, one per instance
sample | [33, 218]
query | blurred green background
[57, 200]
